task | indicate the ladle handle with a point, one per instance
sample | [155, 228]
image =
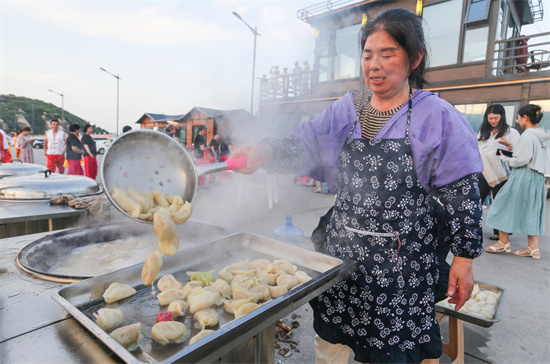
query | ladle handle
[237, 163]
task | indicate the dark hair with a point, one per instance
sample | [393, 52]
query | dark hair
[406, 29]
[201, 128]
[126, 128]
[86, 127]
[26, 128]
[54, 120]
[74, 127]
[485, 128]
[532, 111]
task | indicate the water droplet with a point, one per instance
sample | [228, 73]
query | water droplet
[161, 183]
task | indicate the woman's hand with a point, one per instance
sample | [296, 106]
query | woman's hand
[257, 155]
[461, 281]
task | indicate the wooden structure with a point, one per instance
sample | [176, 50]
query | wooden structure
[227, 122]
[479, 55]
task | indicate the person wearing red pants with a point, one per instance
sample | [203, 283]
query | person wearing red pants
[54, 147]
[90, 155]
[75, 150]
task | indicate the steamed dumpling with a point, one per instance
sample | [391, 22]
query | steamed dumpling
[168, 282]
[166, 232]
[178, 308]
[246, 308]
[182, 214]
[165, 298]
[206, 318]
[166, 332]
[159, 199]
[288, 280]
[128, 204]
[109, 318]
[151, 268]
[117, 292]
[302, 276]
[128, 336]
[200, 335]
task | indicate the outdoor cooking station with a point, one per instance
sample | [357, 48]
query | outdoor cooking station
[35, 328]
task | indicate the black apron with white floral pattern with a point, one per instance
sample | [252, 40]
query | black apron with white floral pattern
[384, 219]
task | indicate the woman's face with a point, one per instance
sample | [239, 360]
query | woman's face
[522, 120]
[493, 119]
[385, 65]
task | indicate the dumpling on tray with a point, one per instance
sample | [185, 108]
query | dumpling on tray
[108, 318]
[128, 336]
[168, 282]
[166, 332]
[117, 292]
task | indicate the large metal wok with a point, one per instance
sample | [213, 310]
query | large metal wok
[147, 160]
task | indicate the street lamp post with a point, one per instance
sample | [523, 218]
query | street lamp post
[117, 94]
[256, 34]
[62, 103]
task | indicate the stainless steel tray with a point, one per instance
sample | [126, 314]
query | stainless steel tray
[478, 320]
[84, 298]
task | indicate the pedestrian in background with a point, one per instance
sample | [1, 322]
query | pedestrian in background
[5, 155]
[126, 128]
[75, 150]
[520, 207]
[494, 134]
[90, 152]
[24, 144]
[55, 147]
[200, 151]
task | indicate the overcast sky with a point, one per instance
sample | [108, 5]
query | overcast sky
[170, 55]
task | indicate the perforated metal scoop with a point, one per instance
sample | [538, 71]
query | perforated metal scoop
[147, 160]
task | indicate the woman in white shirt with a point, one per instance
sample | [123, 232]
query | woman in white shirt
[494, 134]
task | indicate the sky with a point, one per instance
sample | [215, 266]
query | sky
[170, 55]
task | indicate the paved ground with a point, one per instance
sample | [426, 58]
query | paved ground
[521, 336]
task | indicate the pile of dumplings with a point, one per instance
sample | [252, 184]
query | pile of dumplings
[482, 303]
[239, 288]
[165, 212]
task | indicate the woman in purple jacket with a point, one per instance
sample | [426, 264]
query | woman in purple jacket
[386, 152]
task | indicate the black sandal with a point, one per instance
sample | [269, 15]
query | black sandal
[494, 237]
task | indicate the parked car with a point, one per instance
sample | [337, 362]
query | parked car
[101, 144]
[38, 143]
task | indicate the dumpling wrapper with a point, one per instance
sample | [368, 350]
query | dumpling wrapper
[151, 268]
[302, 276]
[182, 214]
[165, 298]
[200, 335]
[128, 336]
[109, 318]
[166, 232]
[178, 308]
[230, 306]
[159, 199]
[206, 318]
[288, 280]
[166, 332]
[168, 282]
[127, 203]
[117, 292]
[246, 308]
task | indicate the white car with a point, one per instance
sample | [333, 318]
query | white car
[101, 144]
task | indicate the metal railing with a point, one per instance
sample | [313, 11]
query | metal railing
[285, 86]
[321, 8]
[513, 55]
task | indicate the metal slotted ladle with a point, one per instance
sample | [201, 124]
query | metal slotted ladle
[147, 160]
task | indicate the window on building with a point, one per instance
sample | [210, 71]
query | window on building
[442, 28]
[477, 10]
[473, 113]
[475, 44]
[347, 60]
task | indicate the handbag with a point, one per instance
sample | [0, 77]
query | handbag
[320, 234]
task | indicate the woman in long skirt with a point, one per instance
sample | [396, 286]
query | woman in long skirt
[520, 205]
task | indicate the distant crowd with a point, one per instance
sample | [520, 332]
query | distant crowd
[285, 84]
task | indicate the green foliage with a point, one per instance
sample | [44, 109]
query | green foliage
[38, 113]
